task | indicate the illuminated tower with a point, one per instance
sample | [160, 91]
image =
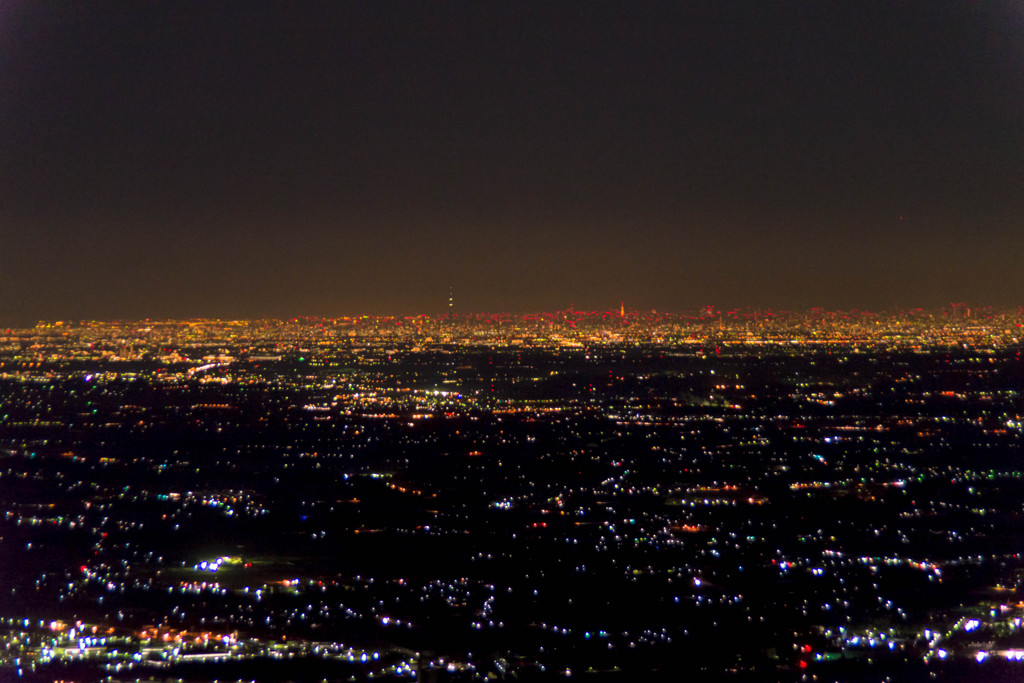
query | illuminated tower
[451, 302]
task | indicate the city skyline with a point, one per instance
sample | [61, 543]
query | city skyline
[253, 160]
[622, 315]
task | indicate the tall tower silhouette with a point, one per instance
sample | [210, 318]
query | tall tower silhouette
[451, 302]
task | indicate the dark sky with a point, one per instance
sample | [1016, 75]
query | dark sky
[249, 159]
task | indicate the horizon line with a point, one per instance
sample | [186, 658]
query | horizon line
[619, 311]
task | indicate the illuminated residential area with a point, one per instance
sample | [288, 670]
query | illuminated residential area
[601, 495]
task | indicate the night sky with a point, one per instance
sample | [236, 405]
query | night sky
[254, 159]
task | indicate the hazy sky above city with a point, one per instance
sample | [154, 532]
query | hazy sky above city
[250, 159]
